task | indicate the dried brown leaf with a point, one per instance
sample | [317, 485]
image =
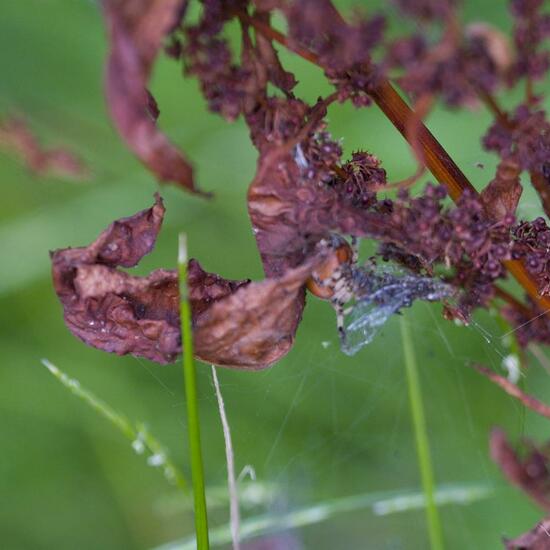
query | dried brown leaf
[291, 211]
[529, 473]
[17, 138]
[117, 312]
[137, 29]
[254, 327]
[511, 389]
[537, 538]
[235, 323]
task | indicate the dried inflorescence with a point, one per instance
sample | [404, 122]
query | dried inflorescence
[531, 29]
[422, 234]
[457, 68]
[224, 83]
[532, 243]
[426, 10]
[342, 48]
[524, 138]
[304, 190]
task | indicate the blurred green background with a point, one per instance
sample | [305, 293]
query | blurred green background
[317, 426]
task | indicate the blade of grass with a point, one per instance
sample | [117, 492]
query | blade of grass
[190, 378]
[137, 433]
[381, 503]
[421, 436]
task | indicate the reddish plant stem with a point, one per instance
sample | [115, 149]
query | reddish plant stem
[512, 300]
[273, 34]
[492, 104]
[516, 470]
[442, 166]
[543, 189]
[438, 161]
[529, 93]
[511, 389]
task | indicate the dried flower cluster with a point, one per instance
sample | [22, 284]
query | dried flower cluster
[523, 138]
[304, 190]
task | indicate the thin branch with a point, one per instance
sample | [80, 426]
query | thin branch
[437, 159]
[513, 301]
[421, 109]
[269, 32]
[542, 186]
[511, 389]
[540, 356]
[491, 103]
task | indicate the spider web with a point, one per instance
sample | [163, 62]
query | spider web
[384, 291]
[321, 426]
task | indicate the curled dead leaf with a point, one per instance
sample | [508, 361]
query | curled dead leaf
[117, 312]
[137, 29]
[290, 207]
[235, 323]
[537, 538]
[254, 327]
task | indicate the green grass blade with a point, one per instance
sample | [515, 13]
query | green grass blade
[380, 503]
[190, 378]
[142, 440]
[421, 436]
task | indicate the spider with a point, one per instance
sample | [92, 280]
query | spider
[334, 279]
